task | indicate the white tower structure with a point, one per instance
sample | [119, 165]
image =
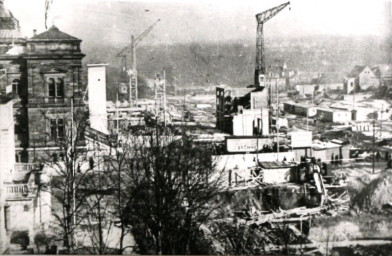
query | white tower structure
[97, 97]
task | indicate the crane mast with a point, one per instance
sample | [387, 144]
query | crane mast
[133, 91]
[260, 58]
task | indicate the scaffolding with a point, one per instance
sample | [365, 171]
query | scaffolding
[160, 98]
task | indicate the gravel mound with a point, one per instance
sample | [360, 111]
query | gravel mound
[377, 193]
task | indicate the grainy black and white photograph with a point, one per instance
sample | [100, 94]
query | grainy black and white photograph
[196, 127]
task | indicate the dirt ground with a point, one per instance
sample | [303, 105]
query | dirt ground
[366, 219]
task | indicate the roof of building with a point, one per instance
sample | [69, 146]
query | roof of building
[357, 70]
[9, 25]
[4, 12]
[54, 33]
[9, 33]
[277, 165]
[328, 109]
[320, 145]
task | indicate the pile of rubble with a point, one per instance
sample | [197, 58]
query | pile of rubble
[377, 193]
[259, 232]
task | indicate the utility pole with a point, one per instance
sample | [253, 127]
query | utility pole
[374, 123]
[307, 119]
[382, 111]
[164, 98]
[277, 115]
[117, 116]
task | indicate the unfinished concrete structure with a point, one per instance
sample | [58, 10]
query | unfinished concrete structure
[97, 97]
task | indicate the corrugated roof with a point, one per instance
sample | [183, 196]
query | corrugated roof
[54, 34]
[9, 34]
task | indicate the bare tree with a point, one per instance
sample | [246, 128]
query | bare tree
[170, 184]
[98, 221]
[65, 161]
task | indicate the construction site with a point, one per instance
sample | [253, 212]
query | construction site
[303, 164]
[295, 157]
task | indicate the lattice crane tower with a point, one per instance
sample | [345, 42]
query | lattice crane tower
[260, 58]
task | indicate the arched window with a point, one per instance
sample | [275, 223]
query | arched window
[59, 88]
[56, 88]
[51, 88]
[16, 86]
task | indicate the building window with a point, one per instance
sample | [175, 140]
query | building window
[57, 128]
[26, 208]
[56, 88]
[7, 217]
[59, 88]
[16, 86]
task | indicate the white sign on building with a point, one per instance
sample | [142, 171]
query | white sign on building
[246, 144]
[301, 139]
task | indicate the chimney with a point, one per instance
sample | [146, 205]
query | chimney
[34, 32]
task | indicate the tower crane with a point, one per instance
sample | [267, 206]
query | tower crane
[133, 94]
[262, 18]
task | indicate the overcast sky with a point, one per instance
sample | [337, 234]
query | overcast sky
[114, 21]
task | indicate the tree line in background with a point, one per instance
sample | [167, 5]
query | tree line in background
[232, 63]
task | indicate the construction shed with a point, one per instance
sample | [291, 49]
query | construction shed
[334, 115]
[300, 109]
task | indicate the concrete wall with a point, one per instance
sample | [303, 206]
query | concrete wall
[341, 117]
[245, 122]
[7, 141]
[242, 162]
[259, 100]
[305, 89]
[245, 161]
[21, 216]
[7, 162]
[334, 116]
[325, 154]
[349, 85]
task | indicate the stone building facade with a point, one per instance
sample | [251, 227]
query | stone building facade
[42, 76]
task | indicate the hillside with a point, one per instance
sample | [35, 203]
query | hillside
[206, 64]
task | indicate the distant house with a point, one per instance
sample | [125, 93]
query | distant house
[385, 74]
[334, 115]
[278, 77]
[300, 109]
[362, 78]
[306, 89]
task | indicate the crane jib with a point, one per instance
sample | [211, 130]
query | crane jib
[260, 62]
